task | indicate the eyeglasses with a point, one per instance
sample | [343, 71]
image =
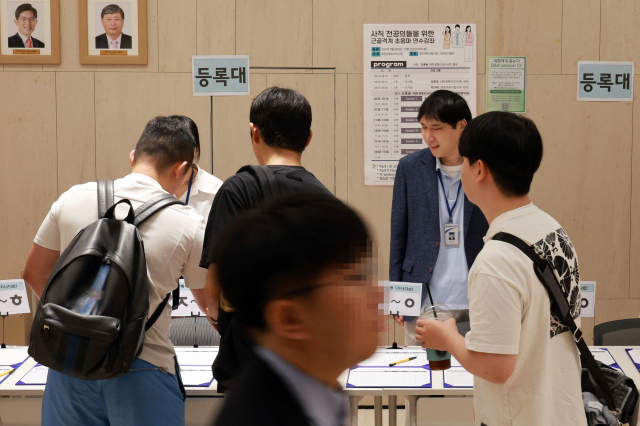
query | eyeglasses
[31, 20]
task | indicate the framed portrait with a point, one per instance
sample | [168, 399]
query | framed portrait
[113, 32]
[30, 32]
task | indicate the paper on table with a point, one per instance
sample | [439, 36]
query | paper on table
[634, 354]
[604, 356]
[196, 376]
[382, 358]
[36, 376]
[196, 356]
[13, 356]
[389, 378]
[458, 377]
[455, 362]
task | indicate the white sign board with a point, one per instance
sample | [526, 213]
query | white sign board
[605, 81]
[188, 306]
[404, 298]
[222, 75]
[588, 303]
[13, 297]
[403, 65]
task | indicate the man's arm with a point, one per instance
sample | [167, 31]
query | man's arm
[212, 292]
[399, 226]
[198, 296]
[40, 263]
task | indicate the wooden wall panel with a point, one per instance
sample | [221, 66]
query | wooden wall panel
[459, 11]
[619, 39]
[585, 177]
[337, 27]
[275, 34]
[177, 34]
[231, 141]
[526, 28]
[634, 255]
[125, 102]
[615, 309]
[342, 135]
[69, 49]
[580, 33]
[216, 25]
[319, 89]
[76, 132]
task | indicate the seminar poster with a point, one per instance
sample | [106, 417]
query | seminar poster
[403, 64]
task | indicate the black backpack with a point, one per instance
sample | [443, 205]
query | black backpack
[92, 316]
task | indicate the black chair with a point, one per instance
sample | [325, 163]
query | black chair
[624, 332]
[464, 328]
[193, 331]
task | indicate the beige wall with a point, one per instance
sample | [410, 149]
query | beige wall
[66, 124]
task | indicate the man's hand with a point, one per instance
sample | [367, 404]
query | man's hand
[212, 321]
[399, 319]
[436, 334]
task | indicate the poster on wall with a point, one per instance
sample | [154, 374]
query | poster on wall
[507, 83]
[403, 64]
[30, 32]
[113, 32]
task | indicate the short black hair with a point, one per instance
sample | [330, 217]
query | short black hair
[283, 117]
[26, 7]
[166, 141]
[193, 128]
[279, 250]
[509, 144]
[112, 8]
[445, 106]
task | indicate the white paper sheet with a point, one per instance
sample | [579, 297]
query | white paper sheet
[36, 376]
[458, 377]
[196, 376]
[635, 355]
[382, 358]
[13, 356]
[389, 377]
[455, 362]
[196, 356]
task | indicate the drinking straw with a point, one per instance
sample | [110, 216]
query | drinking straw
[435, 314]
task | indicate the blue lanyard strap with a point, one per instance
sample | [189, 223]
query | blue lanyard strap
[189, 189]
[446, 199]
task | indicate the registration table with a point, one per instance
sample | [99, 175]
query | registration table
[21, 391]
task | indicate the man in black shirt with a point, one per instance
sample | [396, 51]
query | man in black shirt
[280, 123]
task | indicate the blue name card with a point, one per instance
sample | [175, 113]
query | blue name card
[223, 75]
[605, 81]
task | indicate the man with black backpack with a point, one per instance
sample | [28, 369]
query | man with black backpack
[137, 259]
[280, 123]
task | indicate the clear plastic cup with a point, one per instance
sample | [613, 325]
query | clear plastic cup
[438, 360]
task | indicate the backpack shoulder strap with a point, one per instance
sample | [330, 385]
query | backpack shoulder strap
[545, 273]
[105, 196]
[153, 206]
[156, 314]
[266, 178]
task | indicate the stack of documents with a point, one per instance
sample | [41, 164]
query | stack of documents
[389, 377]
[457, 377]
[37, 376]
[604, 356]
[195, 365]
[10, 359]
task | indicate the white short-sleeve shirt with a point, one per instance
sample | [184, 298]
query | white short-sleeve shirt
[203, 190]
[172, 239]
[510, 313]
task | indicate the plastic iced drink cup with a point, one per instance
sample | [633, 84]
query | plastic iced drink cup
[438, 360]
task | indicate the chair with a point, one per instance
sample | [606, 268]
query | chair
[191, 331]
[625, 332]
[464, 328]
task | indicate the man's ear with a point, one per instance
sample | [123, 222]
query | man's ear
[462, 124]
[287, 320]
[132, 156]
[483, 173]
[178, 169]
[309, 140]
[256, 137]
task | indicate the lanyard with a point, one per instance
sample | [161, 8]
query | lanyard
[446, 199]
[189, 189]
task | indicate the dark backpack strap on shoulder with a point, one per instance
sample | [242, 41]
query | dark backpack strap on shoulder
[153, 206]
[545, 273]
[266, 178]
[105, 196]
[156, 314]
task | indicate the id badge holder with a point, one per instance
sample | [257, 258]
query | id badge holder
[451, 235]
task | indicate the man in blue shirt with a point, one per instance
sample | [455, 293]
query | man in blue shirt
[436, 233]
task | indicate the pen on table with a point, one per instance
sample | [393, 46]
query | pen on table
[401, 361]
[7, 372]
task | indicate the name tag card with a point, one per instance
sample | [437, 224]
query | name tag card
[404, 298]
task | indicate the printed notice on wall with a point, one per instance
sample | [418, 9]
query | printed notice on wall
[403, 64]
[507, 83]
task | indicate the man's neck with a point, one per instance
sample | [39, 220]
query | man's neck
[279, 157]
[452, 160]
[498, 205]
[149, 170]
[114, 38]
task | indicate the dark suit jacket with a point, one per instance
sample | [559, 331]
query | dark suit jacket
[261, 398]
[16, 41]
[415, 221]
[103, 43]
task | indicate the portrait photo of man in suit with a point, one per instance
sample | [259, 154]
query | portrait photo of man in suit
[112, 19]
[26, 21]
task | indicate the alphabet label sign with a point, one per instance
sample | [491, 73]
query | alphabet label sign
[588, 301]
[405, 298]
[188, 306]
[13, 297]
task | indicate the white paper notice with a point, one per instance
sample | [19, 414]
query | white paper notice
[188, 306]
[36, 376]
[196, 356]
[13, 297]
[458, 377]
[404, 298]
[13, 356]
[196, 376]
[389, 378]
[604, 356]
[384, 357]
[403, 64]
[634, 354]
[455, 362]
